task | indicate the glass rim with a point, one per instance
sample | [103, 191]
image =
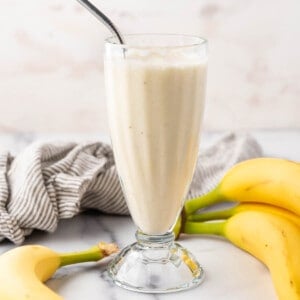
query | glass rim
[196, 41]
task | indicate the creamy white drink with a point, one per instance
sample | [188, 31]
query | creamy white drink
[155, 105]
[155, 86]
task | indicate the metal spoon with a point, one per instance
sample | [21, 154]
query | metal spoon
[102, 18]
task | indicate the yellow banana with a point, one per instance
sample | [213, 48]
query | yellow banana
[267, 180]
[271, 238]
[24, 269]
[226, 213]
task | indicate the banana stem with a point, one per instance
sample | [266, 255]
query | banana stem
[215, 228]
[212, 215]
[212, 197]
[93, 254]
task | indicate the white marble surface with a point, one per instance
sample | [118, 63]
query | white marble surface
[231, 274]
[51, 60]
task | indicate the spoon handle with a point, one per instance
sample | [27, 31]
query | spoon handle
[102, 17]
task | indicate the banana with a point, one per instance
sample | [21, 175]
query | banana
[271, 238]
[267, 180]
[24, 269]
[226, 213]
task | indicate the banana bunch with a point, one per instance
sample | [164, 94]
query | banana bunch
[264, 222]
[25, 269]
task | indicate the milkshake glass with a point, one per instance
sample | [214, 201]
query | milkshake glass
[155, 85]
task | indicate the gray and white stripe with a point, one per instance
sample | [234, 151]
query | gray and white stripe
[47, 182]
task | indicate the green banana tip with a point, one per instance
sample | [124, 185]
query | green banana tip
[212, 197]
[94, 253]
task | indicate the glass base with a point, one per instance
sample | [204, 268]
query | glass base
[155, 264]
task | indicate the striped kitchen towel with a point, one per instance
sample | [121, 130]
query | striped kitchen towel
[48, 182]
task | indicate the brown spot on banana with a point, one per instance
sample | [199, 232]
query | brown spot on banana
[251, 187]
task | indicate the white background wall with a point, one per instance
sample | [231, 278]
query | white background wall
[51, 73]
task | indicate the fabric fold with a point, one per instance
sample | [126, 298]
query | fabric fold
[51, 181]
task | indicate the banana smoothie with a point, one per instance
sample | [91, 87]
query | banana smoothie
[155, 107]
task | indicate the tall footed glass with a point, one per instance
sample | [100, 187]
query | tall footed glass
[155, 88]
